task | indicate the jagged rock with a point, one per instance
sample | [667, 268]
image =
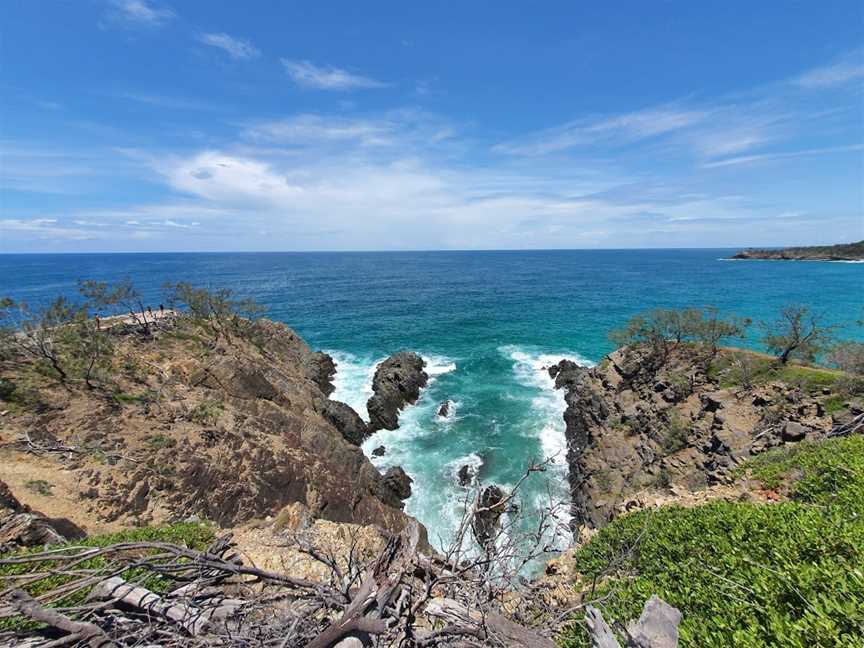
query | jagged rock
[466, 475]
[444, 409]
[380, 451]
[346, 420]
[398, 482]
[490, 506]
[793, 431]
[323, 368]
[397, 382]
[565, 373]
[711, 402]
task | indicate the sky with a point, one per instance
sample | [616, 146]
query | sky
[186, 125]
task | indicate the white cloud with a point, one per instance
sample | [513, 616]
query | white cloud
[309, 75]
[236, 48]
[130, 14]
[847, 69]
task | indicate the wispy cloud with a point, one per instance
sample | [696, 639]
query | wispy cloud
[166, 101]
[615, 130]
[131, 14]
[747, 159]
[236, 48]
[845, 70]
[397, 127]
[309, 75]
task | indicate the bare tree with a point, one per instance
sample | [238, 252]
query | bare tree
[798, 332]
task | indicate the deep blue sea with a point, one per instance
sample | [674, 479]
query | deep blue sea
[488, 323]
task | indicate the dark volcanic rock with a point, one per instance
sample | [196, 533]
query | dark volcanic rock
[398, 482]
[490, 507]
[466, 475]
[380, 451]
[322, 370]
[346, 420]
[397, 382]
[444, 409]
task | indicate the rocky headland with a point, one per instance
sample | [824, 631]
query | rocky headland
[185, 426]
[840, 252]
[637, 432]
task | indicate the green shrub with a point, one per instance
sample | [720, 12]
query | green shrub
[744, 574]
[206, 412]
[39, 486]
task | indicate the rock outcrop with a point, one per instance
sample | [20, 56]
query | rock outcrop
[397, 383]
[20, 526]
[631, 427]
[346, 420]
[488, 511]
[398, 483]
[231, 434]
[444, 409]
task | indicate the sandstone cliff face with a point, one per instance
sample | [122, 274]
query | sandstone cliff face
[397, 383]
[225, 433]
[630, 429]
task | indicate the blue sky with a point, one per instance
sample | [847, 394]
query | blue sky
[137, 125]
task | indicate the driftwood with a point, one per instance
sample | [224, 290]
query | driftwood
[80, 631]
[192, 619]
[657, 627]
[854, 426]
[485, 625]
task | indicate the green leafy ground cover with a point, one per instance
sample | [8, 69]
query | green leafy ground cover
[745, 574]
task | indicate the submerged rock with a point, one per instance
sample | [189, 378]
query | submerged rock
[466, 475]
[380, 451]
[444, 409]
[397, 383]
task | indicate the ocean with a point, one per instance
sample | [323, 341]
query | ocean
[487, 323]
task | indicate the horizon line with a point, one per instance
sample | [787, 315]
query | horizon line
[415, 250]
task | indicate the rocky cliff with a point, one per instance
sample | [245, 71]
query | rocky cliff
[184, 425]
[632, 428]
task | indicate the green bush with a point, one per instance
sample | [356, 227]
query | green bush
[745, 574]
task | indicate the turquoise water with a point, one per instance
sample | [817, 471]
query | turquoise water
[488, 323]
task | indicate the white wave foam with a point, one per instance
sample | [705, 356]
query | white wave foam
[531, 369]
[353, 380]
[472, 460]
[438, 365]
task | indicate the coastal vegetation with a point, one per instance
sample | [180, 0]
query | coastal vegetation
[744, 573]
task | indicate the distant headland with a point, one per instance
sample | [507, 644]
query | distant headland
[840, 252]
